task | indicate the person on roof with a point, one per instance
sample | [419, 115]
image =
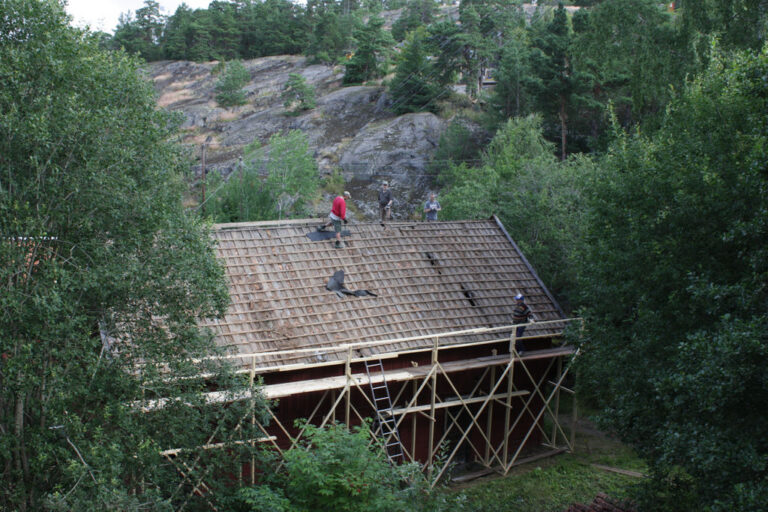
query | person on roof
[431, 208]
[522, 314]
[337, 216]
[385, 202]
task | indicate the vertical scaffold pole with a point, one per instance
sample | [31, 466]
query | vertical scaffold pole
[556, 412]
[413, 426]
[253, 420]
[574, 416]
[489, 423]
[510, 381]
[432, 406]
[347, 387]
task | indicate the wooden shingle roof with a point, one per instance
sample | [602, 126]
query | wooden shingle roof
[429, 277]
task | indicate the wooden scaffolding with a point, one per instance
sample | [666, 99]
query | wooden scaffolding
[508, 387]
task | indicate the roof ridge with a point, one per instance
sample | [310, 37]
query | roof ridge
[313, 221]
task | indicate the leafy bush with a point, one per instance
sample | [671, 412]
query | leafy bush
[230, 85]
[341, 470]
[534, 195]
[275, 182]
[298, 92]
[673, 269]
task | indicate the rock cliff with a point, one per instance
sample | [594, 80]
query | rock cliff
[351, 129]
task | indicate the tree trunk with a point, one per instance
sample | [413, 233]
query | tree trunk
[563, 127]
[22, 465]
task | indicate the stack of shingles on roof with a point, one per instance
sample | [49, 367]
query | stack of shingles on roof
[603, 503]
[429, 278]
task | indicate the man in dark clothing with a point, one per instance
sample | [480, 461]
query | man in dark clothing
[337, 216]
[522, 314]
[385, 202]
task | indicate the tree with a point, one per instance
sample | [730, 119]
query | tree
[330, 30]
[559, 86]
[673, 268]
[484, 27]
[230, 85]
[142, 34]
[444, 44]
[280, 28]
[225, 33]
[457, 144]
[738, 24]
[474, 49]
[292, 177]
[288, 190]
[297, 90]
[413, 88]
[417, 13]
[535, 196]
[631, 55]
[338, 469]
[176, 37]
[514, 78]
[104, 277]
[370, 59]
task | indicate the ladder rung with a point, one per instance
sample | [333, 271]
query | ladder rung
[378, 387]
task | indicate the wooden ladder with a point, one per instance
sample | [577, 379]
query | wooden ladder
[385, 424]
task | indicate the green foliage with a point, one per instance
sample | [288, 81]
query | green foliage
[546, 488]
[417, 13]
[223, 31]
[370, 60]
[334, 183]
[141, 34]
[457, 144]
[341, 470]
[292, 177]
[535, 196]
[413, 88]
[629, 52]
[297, 90]
[229, 88]
[276, 182]
[738, 24]
[673, 268]
[331, 30]
[104, 278]
[558, 87]
[445, 46]
[241, 197]
[515, 79]
[484, 27]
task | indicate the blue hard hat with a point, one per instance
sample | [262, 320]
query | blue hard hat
[519, 296]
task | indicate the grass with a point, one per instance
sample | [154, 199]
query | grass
[555, 483]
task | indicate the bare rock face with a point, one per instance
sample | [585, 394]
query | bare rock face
[397, 150]
[351, 128]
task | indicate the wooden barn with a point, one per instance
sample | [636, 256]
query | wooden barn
[419, 339]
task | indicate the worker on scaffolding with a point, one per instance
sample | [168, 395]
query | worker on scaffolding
[337, 216]
[522, 314]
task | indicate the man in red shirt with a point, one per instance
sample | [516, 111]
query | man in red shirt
[337, 216]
